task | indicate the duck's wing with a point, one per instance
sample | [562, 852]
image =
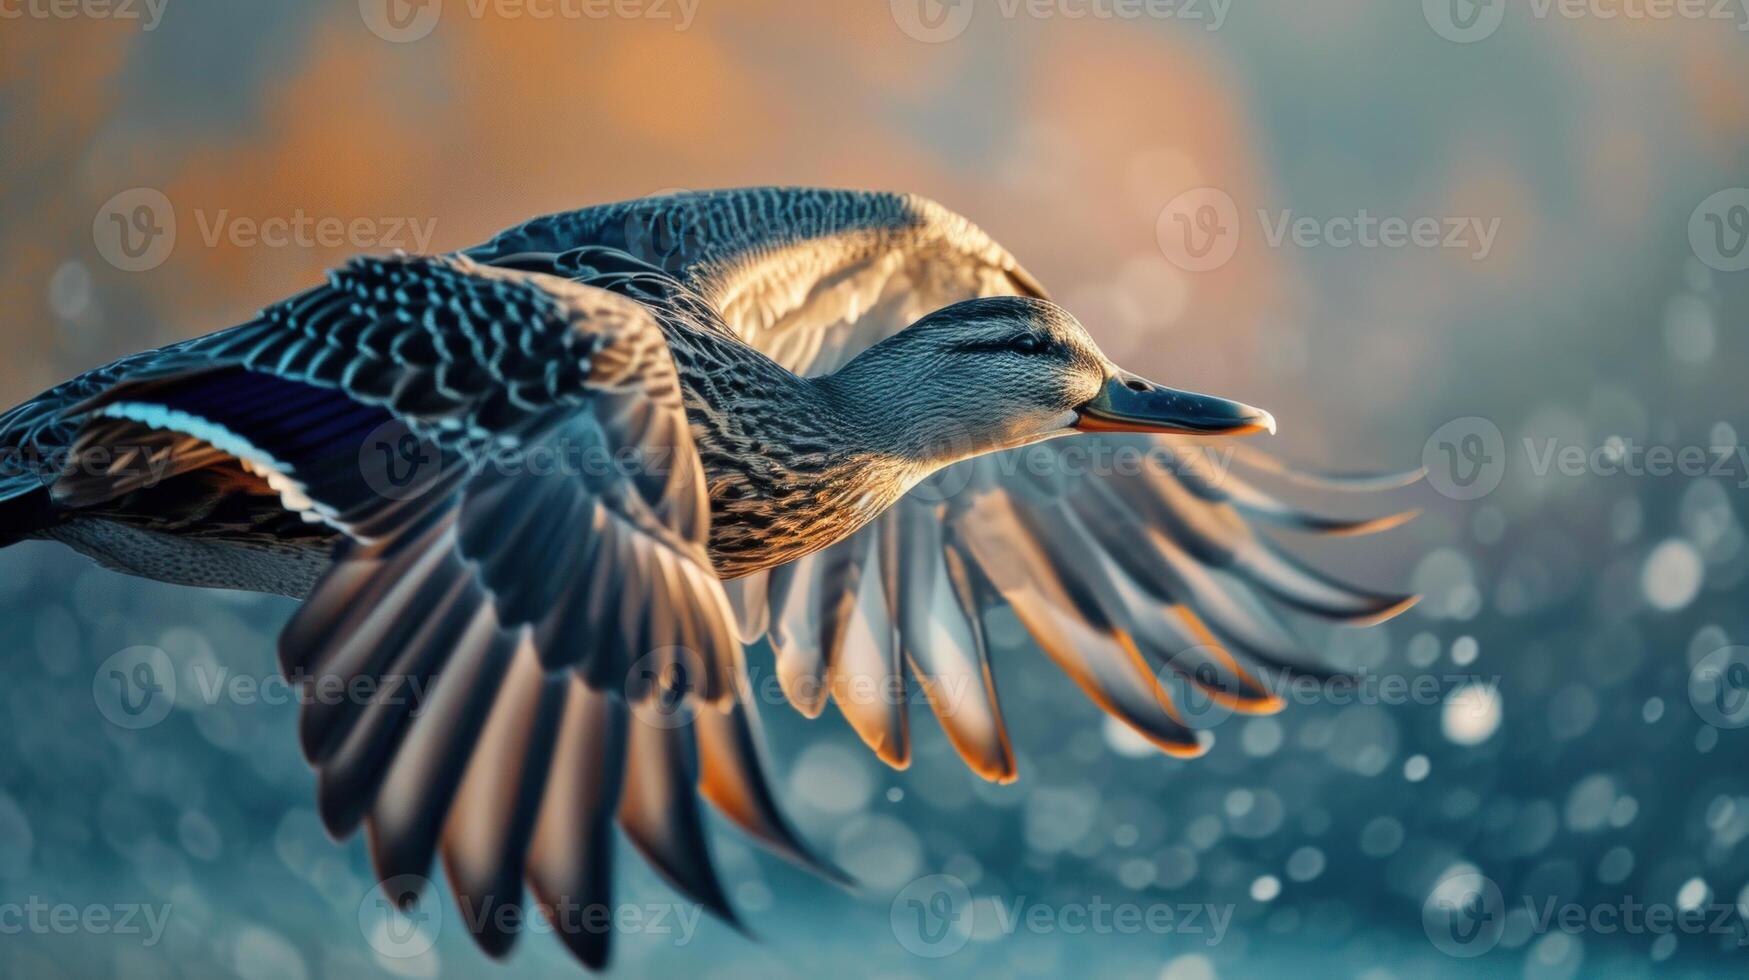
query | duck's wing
[521, 639]
[1137, 584]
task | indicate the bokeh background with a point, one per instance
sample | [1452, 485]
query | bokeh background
[1564, 757]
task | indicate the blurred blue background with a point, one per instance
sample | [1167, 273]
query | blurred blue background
[1573, 754]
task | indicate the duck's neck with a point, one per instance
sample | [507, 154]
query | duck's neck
[793, 464]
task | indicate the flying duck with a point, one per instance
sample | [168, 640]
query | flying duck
[567, 478]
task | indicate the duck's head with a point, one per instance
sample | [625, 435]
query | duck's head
[991, 374]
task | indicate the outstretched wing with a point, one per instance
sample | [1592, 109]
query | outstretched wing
[1134, 582]
[521, 599]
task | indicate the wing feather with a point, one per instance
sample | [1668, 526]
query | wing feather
[570, 858]
[493, 627]
[943, 639]
[865, 673]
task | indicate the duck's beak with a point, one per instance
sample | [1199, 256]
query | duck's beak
[1130, 403]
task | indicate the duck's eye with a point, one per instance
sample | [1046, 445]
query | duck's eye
[1021, 344]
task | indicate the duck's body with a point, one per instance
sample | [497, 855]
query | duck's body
[791, 464]
[615, 411]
